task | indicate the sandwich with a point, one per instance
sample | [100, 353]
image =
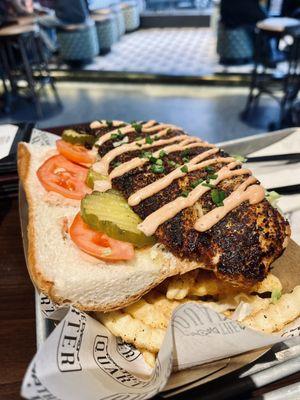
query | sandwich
[128, 221]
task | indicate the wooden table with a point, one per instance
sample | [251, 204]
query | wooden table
[17, 318]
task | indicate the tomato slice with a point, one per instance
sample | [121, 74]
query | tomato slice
[60, 175]
[74, 152]
[98, 244]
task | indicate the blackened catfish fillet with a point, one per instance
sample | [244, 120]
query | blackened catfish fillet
[240, 248]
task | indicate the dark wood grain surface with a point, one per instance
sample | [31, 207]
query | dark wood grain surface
[17, 315]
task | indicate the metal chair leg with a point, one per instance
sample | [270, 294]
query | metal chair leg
[29, 76]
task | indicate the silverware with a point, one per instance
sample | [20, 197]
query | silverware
[275, 157]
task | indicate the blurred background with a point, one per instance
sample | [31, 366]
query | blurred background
[220, 69]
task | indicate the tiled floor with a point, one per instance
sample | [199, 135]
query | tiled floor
[166, 51]
[209, 112]
[184, 51]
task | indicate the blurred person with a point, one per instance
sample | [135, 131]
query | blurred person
[71, 11]
[241, 13]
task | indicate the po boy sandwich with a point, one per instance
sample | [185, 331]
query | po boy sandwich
[118, 209]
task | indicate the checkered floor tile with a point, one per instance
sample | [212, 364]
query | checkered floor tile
[172, 51]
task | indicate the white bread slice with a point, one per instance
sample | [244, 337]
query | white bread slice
[66, 274]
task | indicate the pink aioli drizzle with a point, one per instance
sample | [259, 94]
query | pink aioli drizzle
[138, 162]
[169, 210]
[146, 128]
[166, 180]
[103, 165]
[254, 194]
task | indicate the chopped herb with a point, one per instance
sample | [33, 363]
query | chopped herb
[212, 176]
[162, 153]
[139, 138]
[109, 124]
[153, 159]
[218, 196]
[171, 163]
[239, 158]
[209, 169]
[156, 137]
[157, 169]
[159, 161]
[118, 136]
[185, 193]
[146, 154]
[149, 140]
[196, 183]
[137, 127]
[169, 130]
[116, 164]
[209, 185]
[186, 152]
[184, 169]
[133, 122]
[275, 296]
[272, 197]
[185, 159]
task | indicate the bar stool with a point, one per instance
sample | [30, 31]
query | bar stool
[107, 30]
[117, 9]
[131, 15]
[78, 43]
[263, 83]
[22, 57]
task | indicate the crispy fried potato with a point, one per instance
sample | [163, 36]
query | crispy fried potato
[148, 313]
[206, 284]
[180, 286]
[160, 301]
[132, 330]
[148, 357]
[276, 315]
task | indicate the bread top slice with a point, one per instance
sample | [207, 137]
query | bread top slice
[66, 274]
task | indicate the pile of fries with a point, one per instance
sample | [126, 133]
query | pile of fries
[144, 323]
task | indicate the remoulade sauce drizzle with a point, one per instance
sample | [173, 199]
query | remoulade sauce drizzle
[247, 191]
[169, 210]
[102, 166]
[166, 180]
[149, 127]
[254, 194]
[138, 162]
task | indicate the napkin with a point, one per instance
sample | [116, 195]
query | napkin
[282, 173]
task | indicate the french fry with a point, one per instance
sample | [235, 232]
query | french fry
[180, 285]
[160, 301]
[148, 357]
[148, 314]
[132, 330]
[276, 315]
[206, 284]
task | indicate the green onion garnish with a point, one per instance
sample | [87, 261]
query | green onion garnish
[218, 196]
[184, 169]
[157, 169]
[185, 193]
[149, 140]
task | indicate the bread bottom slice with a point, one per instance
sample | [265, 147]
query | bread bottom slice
[66, 274]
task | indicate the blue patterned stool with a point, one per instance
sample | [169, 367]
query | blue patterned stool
[107, 31]
[131, 15]
[78, 43]
[117, 10]
[234, 46]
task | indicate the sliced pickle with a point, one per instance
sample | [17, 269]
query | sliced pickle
[71, 136]
[93, 176]
[110, 213]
